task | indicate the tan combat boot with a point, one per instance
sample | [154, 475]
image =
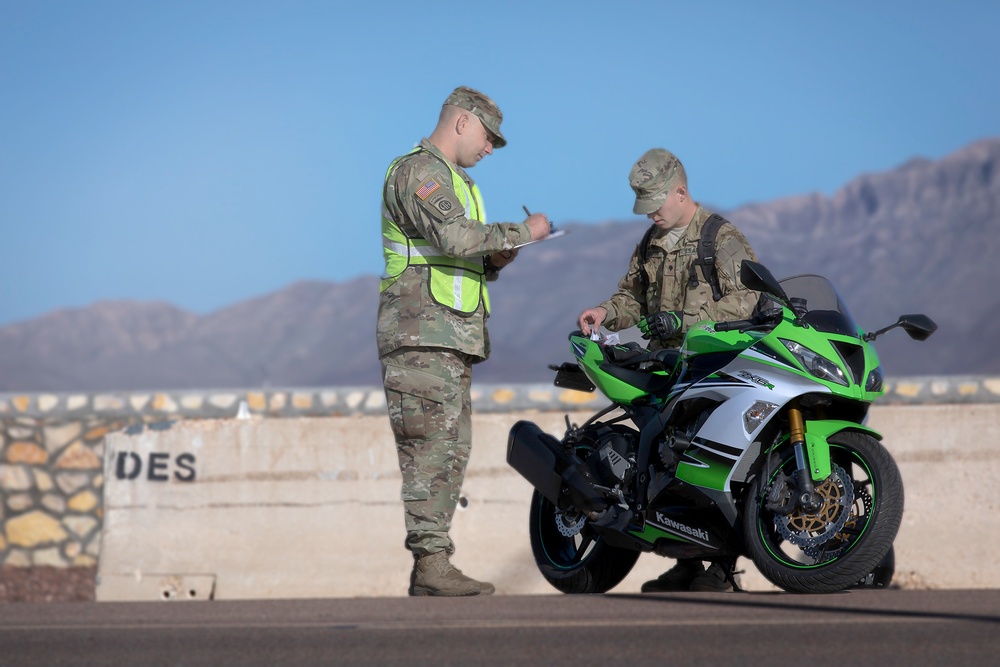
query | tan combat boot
[435, 575]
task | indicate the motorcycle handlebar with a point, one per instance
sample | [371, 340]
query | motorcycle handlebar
[735, 324]
[758, 322]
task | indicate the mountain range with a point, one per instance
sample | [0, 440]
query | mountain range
[921, 238]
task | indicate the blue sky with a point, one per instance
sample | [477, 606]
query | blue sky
[202, 153]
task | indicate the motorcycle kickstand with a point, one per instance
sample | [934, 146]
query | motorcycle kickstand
[731, 576]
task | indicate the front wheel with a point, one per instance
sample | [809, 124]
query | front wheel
[571, 555]
[847, 538]
[881, 576]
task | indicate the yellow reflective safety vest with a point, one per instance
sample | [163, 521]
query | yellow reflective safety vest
[456, 283]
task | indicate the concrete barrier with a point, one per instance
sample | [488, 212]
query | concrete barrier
[309, 507]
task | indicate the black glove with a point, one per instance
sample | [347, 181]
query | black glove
[663, 325]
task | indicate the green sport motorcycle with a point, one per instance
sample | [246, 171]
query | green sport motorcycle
[748, 441]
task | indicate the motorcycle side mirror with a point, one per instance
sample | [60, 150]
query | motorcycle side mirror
[757, 277]
[918, 326]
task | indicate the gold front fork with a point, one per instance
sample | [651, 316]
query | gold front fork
[796, 425]
[797, 437]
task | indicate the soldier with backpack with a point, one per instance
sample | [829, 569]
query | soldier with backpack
[686, 269]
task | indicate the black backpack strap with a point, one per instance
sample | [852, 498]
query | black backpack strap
[706, 255]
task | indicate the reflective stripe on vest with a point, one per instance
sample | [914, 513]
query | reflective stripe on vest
[455, 282]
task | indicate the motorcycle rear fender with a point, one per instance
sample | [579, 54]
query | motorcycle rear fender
[818, 435]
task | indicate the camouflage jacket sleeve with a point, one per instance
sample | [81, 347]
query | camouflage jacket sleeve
[627, 306]
[440, 217]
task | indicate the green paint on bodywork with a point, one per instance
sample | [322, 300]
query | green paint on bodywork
[702, 338]
[651, 533]
[818, 443]
[617, 390]
[713, 472]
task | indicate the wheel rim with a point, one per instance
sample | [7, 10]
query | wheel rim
[811, 541]
[564, 549]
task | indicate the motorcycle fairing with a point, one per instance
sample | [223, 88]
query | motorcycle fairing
[818, 434]
[737, 389]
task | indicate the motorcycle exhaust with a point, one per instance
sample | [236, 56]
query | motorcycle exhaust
[559, 475]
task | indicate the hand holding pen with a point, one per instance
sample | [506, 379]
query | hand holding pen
[539, 225]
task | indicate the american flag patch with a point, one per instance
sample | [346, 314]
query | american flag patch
[427, 188]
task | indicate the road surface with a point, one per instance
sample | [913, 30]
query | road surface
[885, 628]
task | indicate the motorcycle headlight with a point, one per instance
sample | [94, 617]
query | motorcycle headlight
[816, 364]
[874, 382]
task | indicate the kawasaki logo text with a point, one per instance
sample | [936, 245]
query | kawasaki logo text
[667, 522]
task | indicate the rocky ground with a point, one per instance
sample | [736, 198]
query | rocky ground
[47, 584]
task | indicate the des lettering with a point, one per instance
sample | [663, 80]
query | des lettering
[158, 467]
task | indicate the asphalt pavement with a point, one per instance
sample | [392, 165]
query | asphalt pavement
[856, 628]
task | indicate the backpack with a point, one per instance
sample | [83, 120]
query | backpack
[706, 256]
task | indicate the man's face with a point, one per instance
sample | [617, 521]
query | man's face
[671, 215]
[476, 142]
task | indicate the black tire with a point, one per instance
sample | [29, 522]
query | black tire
[581, 564]
[848, 554]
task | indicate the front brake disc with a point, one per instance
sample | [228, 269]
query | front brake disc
[809, 531]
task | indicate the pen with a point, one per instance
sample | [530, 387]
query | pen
[552, 227]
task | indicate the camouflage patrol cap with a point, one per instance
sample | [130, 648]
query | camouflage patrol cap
[651, 178]
[484, 108]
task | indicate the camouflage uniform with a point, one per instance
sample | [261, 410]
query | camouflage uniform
[427, 349]
[408, 316]
[669, 270]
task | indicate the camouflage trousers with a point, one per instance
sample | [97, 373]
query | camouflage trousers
[428, 392]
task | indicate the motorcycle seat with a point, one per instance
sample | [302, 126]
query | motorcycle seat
[639, 370]
[634, 357]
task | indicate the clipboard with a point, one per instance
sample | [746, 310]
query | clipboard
[554, 235]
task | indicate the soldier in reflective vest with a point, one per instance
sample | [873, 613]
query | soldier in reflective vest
[433, 305]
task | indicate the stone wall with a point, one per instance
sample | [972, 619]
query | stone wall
[52, 445]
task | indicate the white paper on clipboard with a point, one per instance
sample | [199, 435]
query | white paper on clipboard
[554, 235]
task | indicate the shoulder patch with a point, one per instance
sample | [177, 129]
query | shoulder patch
[429, 186]
[443, 203]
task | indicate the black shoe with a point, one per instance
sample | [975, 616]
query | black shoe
[712, 580]
[677, 578]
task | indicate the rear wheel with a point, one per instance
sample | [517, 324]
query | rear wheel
[847, 538]
[571, 555]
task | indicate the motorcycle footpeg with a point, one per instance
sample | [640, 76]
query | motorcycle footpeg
[615, 518]
[580, 491]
